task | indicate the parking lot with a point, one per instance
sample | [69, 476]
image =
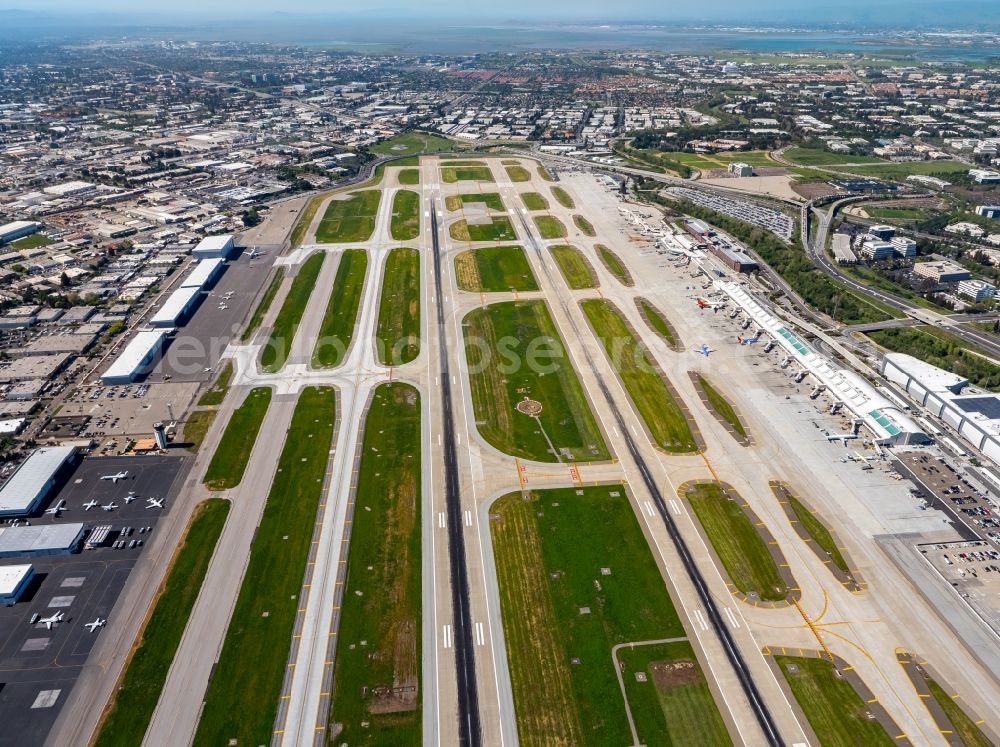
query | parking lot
[128, 410]
[39, 666]
[973, 515]
[973, 570]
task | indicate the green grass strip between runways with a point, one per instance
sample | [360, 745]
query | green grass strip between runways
[398, 332]
[342, 310]
[275, 351]
[242, 698]
[231, 456]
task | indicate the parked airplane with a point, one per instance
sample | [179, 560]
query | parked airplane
[222, 307]
[56, 509]
[130, 497]
[116, 476]
[253, 253]
[703, 304]
[704, 350]
[92, 626]
[110, 506]
[842, 437]
[89, 505]
[155, 503]
[748, 340]
[48, 622]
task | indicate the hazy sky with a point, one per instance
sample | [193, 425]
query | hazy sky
[802, 11]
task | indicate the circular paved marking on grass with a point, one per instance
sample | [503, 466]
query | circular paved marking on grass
[529, 407]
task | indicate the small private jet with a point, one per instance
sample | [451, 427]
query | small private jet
[56, 509]
[51, 620]
[89, 505]
[116, 476]
[93, 626]
[110, 506]
[131, 496]
[154, 503]
[253, 253]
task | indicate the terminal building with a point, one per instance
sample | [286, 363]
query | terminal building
[884, 419]
[14, 579]
[46, 539]
[135, 357]
[31, 483]
[976, 416]
[215, 246]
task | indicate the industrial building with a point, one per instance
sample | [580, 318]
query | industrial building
[976, 290]
[842, 251]
[215, 246]
[18, 230]
[137, 354]
[204, 273]
[46, 539]
[941, 271]
[740, 169]
[14, 579]
[976, 416]
[32, 481]
[177, 306]
[884, 419]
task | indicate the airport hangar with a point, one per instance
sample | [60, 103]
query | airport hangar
[14, 579]
[34, 479]
[140, 350]
[975, 416]
[43, 539]
[883, 418]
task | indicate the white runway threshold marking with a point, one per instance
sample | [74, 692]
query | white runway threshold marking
[440, 519]
[648, 507]
[480, 635]
[468, 518]
[701, 620]
[446, 636]
[675, 506]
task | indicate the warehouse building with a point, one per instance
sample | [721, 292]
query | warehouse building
[215, 246]
[18, 230]
[135, 357]
[28, 487]
[887, 421]
[842, 251]
[176, 308]
[14, 579]
[204, 273]
[976, 416]
[46, 539]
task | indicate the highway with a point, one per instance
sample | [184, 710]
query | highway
[465, 662]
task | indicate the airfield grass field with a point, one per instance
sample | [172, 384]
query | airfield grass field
[818, 531]
[494, 269]
[714, 161]
[740, 547]
[275, 351]
[349, 219]
[217, 393]
[550, 227]
[397, 336]
[965, 728]
[834, 710]
[575, 267]
[544, 173]
[662, 413]
[196, 425]
[585, 226]
[498, 229]
[263, 305]
[721, 406]
[405, 222]
[675, 691]
[518, 173]
[378, 642]
[563, 198]
[242, 698]
[136, 696]
[411, 143]
[231, 456]
[534, 201]
[305, 220]
[565, 428]
[821, 157]
[457, 173]
[614, 265]
[342, 310]
[576, 578]
[492, 201]
[409, 177]
[658, 323]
